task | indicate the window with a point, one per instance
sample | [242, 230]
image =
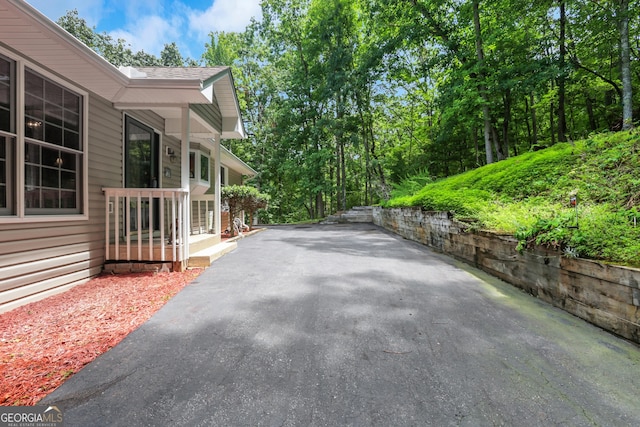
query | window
[223, 176]
[199, 169]
[7, 135]
[6, 175]
[7, 95]
[42, 148]
[204, 168]
[53, 147]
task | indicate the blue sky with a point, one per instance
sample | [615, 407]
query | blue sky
[149, 24]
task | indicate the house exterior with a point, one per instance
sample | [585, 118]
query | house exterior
[101, 165]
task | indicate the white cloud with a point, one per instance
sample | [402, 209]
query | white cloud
[224, 15]
[149, 33]
[149, 24]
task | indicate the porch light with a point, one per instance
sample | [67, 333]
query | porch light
[171, 154]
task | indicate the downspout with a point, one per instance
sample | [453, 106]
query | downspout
[184, 183]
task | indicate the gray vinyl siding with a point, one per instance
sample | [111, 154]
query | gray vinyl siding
[209, 112]
[235, 178]
[37, 259]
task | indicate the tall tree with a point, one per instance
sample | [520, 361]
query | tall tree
[625, 65]
[562, 117]
[481, 87]
[170, 56]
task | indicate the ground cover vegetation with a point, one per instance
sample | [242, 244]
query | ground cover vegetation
[532, 197]
[346, 99]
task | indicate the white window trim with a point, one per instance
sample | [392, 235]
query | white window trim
[19, 215]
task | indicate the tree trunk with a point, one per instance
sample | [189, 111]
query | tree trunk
[505, 122]
[338, 174]
[319, 205]
[475, 145]
[593, 123]
[562, 120]
[364, 124]
[332, 201]
[343, 198]
[627, 91]
[534, 120]
[341, 146]
[496, 143]
[481, 86]
[367, 166]
[527, 113]
[552, 113]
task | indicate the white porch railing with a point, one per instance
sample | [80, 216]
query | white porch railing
[146, 224]
[202, 214]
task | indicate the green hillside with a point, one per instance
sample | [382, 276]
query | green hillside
[529, 196]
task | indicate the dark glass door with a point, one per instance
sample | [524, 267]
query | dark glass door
[142, 155]
[142, 163]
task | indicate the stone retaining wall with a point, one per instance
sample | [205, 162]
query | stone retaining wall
[605, 295]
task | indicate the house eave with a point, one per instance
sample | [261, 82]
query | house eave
[31, 31]
[227, 158]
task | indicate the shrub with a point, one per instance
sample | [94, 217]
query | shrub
[243, 198]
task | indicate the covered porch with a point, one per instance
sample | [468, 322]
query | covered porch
[159, 226]
[168, 225]
[175, 210]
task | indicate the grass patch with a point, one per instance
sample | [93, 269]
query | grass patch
[529, 197]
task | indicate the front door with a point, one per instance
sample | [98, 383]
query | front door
[141, 166]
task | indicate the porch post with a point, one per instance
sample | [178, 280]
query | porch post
[184, 183]
[217, 217]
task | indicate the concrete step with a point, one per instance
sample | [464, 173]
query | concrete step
[205, 257]
[356, 214]
[200, 242]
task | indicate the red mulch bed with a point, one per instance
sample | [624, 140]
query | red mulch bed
[45, 342]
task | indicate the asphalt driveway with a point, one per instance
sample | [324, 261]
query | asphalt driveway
[350, 325]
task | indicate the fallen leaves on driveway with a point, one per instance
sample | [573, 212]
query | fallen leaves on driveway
[45, 342]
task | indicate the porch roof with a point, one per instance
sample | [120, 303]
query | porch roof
[229, 159]
[209, 92]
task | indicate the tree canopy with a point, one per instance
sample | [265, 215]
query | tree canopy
[118, 52]
[346, 98]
